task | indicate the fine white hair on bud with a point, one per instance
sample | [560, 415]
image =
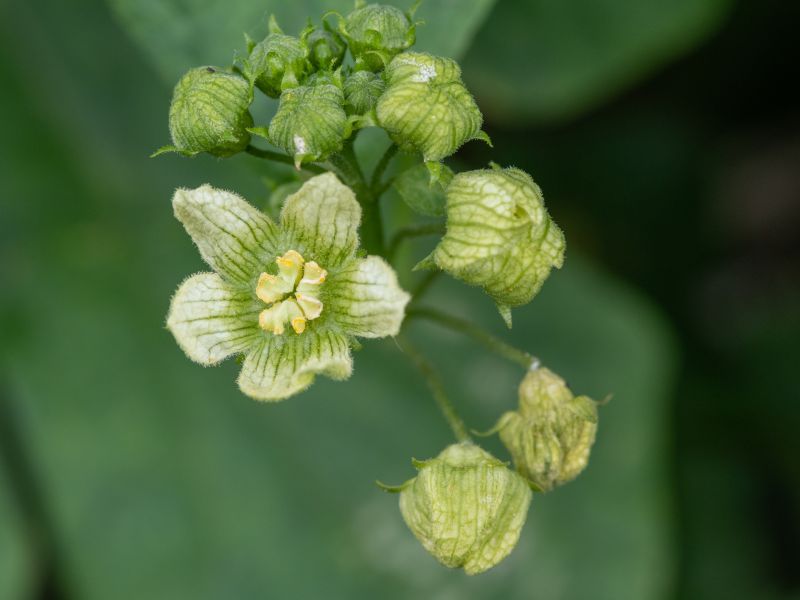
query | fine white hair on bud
[311, 123]
[551, 434]
[511, 258]
[426, 106]
[210, 113]
[466, 507]
[277, 63]
[376, 33]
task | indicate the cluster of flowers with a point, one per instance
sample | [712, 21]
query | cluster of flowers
[292, 297]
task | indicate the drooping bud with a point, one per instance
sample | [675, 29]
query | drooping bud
[466, 507]
[550, 436]
[277, 63]
[376, 33]
[426, 106]
[326, 48]
[310, 124]
[511, 259]
[362, 90]
[209, 113]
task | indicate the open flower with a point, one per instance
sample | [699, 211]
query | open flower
[289, 297]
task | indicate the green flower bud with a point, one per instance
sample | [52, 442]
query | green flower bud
[550, 436]
[326, 48]
[277, 63]
[466, 507]
[376, 33]
[426, 106]
[209, 113]
[499, 235]
[310, 123]
[362, 90]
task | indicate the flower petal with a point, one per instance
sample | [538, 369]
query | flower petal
[365, 300]
[233, 237]
[281, 366]
[211, 320]
[322, 220]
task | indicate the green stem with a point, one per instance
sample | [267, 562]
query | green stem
[380, 169]
[491, 342]
[436, 387]
[371, 230]
[412, 231]
[418, 290]
[281, 158]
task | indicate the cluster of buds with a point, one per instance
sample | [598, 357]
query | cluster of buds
[323, 98]
[290, 296]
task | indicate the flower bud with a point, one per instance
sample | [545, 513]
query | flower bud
[376, 33]
[426, 106]
[310, 123]
[277, 63]
[325, 47]
[466, 507]
[551, 434]
[209, 113]
[362, 90]
[499, 235]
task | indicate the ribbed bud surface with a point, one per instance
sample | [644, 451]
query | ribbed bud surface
[310, 123]
[426, 106]
[551, 435]
[499, 235]
[209, 113]
[466, 508]
[376, 33]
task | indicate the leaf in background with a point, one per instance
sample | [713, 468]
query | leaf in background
[416, 189]
[16, 556]
[162, 481]
[541, 60]
[178, 35]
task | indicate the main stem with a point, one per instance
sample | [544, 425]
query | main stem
[434, 381]
[371, 231]
[493, 343]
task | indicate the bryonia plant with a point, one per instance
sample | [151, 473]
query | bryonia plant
[292, 297]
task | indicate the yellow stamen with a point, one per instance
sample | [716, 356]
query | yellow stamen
[299, 325]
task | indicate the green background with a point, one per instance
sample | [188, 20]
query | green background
[665, 136]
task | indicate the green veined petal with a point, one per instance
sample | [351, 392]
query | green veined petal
[211, 320]
[366, 300]
[322, 221]
[233, 237]
[281, 366]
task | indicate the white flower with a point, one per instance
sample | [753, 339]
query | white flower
[289, 297]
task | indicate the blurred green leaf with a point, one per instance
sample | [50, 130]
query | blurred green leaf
[178, 35]
[416, 189]
[542, 60]
[16, 553]
[162, 481]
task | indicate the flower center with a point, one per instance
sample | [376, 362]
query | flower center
[292, 294]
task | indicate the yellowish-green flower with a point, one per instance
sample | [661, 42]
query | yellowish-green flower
[499, 236]
[209, 113]
[426, 107]
[550, 436]
[466, 507]
[290, 297]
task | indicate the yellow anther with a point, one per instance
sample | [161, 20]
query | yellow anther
[299, 324]
[292, 294]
